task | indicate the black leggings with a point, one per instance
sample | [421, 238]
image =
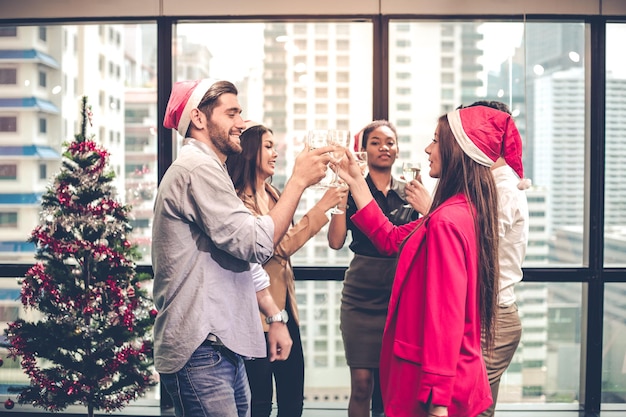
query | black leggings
[289, 377]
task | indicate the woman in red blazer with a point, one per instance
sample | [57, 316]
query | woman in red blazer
[445, 286]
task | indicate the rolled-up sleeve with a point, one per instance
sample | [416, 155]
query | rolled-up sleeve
[212, 204]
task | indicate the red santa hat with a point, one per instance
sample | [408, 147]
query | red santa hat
[185, 96]
[485, 134]
[358, 141]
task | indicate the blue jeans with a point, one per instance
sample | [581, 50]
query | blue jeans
[213, 383]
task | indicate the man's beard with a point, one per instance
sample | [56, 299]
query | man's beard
[221, 140]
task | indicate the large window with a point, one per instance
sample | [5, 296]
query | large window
[38, 114]
[327, 73]
[526, 66]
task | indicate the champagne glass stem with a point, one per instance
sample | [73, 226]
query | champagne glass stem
[336, 209]
[336, 179]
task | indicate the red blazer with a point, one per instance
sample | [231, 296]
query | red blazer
[431, 350]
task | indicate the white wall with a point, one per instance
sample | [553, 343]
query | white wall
[32, 9]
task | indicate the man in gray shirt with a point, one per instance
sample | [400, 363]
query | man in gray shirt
[206, 247]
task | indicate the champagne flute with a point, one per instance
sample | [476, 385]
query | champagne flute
[361, 160]
[318, 138]
[340, 140]
[410, 171]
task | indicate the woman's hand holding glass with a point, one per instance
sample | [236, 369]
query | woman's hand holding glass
[349, 170]
[339, 140]
[411, 171]
[334, 197]
[361, 159]
[418, 196]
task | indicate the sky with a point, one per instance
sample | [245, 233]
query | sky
[228, 43]
[615, 57]
[499, 42]
[243, 42]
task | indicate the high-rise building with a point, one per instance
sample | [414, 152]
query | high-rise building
[30, 114]
[312, 79]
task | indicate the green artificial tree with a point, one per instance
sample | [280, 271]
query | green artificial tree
[91, 344]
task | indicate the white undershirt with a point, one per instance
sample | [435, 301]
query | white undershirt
[513, 231]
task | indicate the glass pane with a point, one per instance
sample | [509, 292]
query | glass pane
[46, 71]
[614, 345]
[537, 69]
[11, 373]
[291, 77]
[615, 188]
[546, 366]
[327, 377]
[115, 67]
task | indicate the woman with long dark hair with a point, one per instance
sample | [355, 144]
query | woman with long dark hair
[445, 288]
[251, 171]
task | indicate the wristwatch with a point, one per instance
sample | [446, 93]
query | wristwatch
[282, 316]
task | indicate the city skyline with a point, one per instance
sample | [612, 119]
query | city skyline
[270, 83]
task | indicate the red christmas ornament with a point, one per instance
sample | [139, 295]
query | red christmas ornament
[9, 404]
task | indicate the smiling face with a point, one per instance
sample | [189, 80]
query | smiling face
[434, 157]
[225, 125]
[267, 156]
[381, 148]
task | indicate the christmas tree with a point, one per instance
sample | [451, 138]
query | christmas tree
[91, 345]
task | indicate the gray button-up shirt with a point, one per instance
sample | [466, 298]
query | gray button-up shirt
[203, 240]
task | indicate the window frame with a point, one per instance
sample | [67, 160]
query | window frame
[593, 276]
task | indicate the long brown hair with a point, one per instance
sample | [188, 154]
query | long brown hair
[242, 167]
[462, 175]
